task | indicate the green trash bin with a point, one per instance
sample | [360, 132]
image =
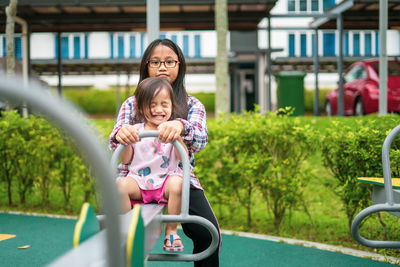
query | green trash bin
[290, 90]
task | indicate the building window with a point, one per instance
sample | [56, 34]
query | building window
[356, 44]
[132, 46]
[314, 5]
[185, 45]
[328, 4]
[291, 5]
[121, 46]
[64, 47]
[197, 44]
[328, 44]
[4, 47]
[141, 44]
[291, 45]
[377, 43]
[77, 47]
[303, 45]
[111, 45]
[162, 36]
[368, 44]
[174, 38]
[86, 46]
[18, 47]
[303, 5]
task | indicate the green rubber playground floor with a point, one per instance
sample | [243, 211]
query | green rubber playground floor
[49, 238]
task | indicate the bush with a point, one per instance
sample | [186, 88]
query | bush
[309, 99]
[252, 152]
[351, 151]
[104, 101]
[36, 158]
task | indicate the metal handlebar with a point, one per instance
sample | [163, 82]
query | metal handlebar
[390, 205]
[184, 217]
[65, 116]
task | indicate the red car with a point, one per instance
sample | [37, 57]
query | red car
[361, 89]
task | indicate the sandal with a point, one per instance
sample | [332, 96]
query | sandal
[171, 238]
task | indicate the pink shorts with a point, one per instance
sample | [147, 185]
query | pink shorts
[151, 196]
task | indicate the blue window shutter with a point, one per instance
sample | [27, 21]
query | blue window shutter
[328, 4]
[18, 47]
[197, 44]
[303, 45]
[303, 5]
[291, 45]
[185, 45]
[328, 44]
[291, 5]
[4, 47]
[132, 46]
[312, 44]
[112, 45]
[64, 47]
[86, 46]
[356, 44]
[346, 43]
[56, 46]
[141, 44]
[368, 44]
[377, 44]
[77, 47]
[314, 5]
[162, 36]
[174, 38]
[120, 46]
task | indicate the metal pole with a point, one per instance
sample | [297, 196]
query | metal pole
[269, 67]
[153, 19]
[59, 64]
[316, 69]
[383, 24]
[339, 22]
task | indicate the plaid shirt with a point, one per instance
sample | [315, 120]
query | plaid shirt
[195, 138]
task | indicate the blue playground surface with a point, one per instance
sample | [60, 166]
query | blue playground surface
[50, 237]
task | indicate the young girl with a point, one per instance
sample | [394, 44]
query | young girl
[164, 58]
[154, 174]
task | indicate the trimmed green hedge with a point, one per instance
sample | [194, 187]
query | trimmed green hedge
[94, 101]
[248, 156]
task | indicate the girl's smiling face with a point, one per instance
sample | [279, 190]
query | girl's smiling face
[160, 109]
[163, 53]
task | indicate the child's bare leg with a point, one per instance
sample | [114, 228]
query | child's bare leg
[128, 189]
[173, 193]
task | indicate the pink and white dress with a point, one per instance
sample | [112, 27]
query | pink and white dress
[153, 162]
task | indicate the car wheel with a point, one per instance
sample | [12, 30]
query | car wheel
[359, 107]
[328, 109]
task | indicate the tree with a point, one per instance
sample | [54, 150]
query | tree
[222, 99]
[11, 12]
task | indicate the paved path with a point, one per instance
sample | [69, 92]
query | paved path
[51, 237]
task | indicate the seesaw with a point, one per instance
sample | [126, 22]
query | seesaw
[384, 198]
[127, 238]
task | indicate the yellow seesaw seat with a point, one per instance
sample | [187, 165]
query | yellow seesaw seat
[379, 181]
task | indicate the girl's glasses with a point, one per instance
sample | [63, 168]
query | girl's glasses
[167, 63]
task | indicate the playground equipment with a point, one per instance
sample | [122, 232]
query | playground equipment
[127, 238]
[386, 199]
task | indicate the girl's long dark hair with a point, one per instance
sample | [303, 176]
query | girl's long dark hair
[145, 91]
[178, 85]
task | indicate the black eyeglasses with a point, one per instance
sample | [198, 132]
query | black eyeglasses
[167, 63]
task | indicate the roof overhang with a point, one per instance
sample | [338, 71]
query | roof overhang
[359, 14]
[130, 15]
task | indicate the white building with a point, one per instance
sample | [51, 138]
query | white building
[202, 44]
